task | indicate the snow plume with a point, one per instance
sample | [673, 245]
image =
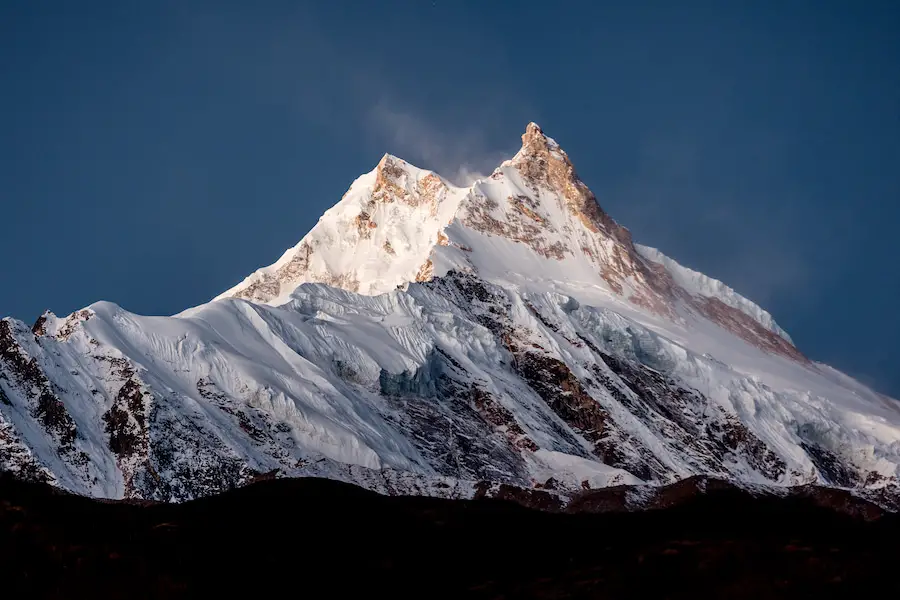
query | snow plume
[461, 155]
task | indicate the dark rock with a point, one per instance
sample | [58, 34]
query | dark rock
[708, 541]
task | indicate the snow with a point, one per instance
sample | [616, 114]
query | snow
[340, 250]
[574, 470]
[338, 352]
[699, 284]
[282, 361]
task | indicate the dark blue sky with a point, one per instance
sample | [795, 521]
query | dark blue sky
[154, 153]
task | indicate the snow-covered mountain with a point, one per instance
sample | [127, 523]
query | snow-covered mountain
[426, 338]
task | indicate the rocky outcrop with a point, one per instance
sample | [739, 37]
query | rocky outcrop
[126, 424]
[523, 225]
[460, 430]
[364, 225]
[426, 271]
[269, 285]
[543, 164]
[19, 371]
[17, 459]
[745, 327]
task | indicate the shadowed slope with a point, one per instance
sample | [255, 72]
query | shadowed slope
[310, 534]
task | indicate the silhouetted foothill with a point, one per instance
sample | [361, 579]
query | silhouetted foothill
[706, 539]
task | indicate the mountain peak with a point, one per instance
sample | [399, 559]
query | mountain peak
[389, 163]
[542, 163]
[537, 145]
[399, 223]
[391, 177]
[532, 131]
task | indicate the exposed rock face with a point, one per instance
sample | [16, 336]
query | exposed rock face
[543, 163]
[126, 423]
[585, 415]
[745, 327]
[426, 271]
[364, 225]
[523, 225]
[17, 458]
[23, 375]
[268, 286]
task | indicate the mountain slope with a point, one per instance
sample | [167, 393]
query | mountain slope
[713, 541]
[430, 339]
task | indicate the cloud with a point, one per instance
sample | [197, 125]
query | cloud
[461, 154]
[303, 67]
[309, 69]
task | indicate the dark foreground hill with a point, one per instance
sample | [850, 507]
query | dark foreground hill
[319, 538]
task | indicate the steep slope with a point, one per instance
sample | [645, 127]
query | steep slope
[429, 339]
[377, 237]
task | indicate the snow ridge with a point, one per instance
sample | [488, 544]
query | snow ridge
[377, 237]
[699, 284]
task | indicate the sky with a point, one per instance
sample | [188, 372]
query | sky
[154, 153]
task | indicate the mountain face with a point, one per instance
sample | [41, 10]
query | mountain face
[429, 339]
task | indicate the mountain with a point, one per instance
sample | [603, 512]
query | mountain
[713, 541]
[430, 339]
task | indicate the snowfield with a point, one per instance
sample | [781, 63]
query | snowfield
[428, 339]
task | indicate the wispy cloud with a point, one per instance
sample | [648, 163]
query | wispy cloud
[296, 66]
[461, 154]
